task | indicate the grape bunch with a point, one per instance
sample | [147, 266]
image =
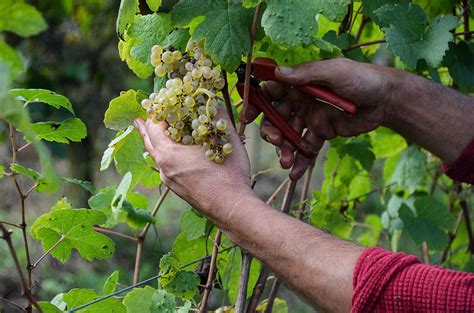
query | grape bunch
[188, 102]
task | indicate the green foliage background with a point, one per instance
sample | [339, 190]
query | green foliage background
[378, 189]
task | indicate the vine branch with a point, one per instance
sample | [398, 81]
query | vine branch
[25, 290]
[249, 64]
[452, 236]
[210, 277]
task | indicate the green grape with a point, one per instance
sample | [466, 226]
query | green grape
[187, 140]
[157, 49]
[227, 148]
[160, 70]
[203, 119]
[171, 118]
[168, 68]
[202, 109]
[212, 111]
[167, 57]
[196, 73]
[221, 124]
[195, 124]
[177, 55]
[206, 72]
[189, 102]
[209, 154]
[215, 74]
[189, 66]
[146, 103]
[219, 159]
[202, 130]
[188, 88]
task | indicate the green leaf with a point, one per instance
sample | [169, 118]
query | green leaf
[334, 10]
[11, 59]
[71, 129]
[429, 223]
[148, 299]
[49, 307]
[411, 169]
[225, 28]
[76, 228]
[113, 147]
[20, 18]
[460, 62]
[291, 23]
[86, 185]
[188, 250]
[412, 38]
[126, 14]
[131, 159]
[44, 96]
[192, 224]
[140, 69]
[279, 306]
[386, 143]
[78, 297]
[178, 38]
[169, 266]
[146, 31]
[250, 3]
[371, 235]
[2, 171]
[370, 9]
[136, 218]
[120, 195]
[123, 110]
[62, 203]
[110, 284]
[154, 5]
[42, 181]
[361, 150]
[183, 285]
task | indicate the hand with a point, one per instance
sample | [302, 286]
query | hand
[369, 86]
[190, 175]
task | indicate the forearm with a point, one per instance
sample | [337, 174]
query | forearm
[435, 117]
[316, 265]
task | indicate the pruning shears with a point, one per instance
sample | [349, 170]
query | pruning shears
[264, 69]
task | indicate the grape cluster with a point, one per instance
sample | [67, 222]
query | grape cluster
[188, 102]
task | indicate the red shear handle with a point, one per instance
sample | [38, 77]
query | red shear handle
[257, 99]
[264, 69]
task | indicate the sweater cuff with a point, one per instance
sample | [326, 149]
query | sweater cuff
[374, 270]
[463, 168]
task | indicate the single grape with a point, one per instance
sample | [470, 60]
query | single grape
[157, 49]
[215, 74]
[196, 73]
[201, 110]
[212, 110]
[167, 57]
[195, 124]
[221, 124]
[202, 130]
[189, 66]
[206, 72]
[187, 140]
[188, 88]
[146, 103]
[189, 101]
[203, 118]
[179, 125]
[177, 55]
[168, 68]
[219, 159]
[160, 70]
[227, 148]
[209, 154]
[171, 118]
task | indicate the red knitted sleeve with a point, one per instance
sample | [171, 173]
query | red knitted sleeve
[395, 282]
[463, 168]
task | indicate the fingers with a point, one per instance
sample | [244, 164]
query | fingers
[327, 72]
[301, 162]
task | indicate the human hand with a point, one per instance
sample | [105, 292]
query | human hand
[193, 177]
[369, 86]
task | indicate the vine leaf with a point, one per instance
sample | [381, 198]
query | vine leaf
[292, 23]
[110, 284]
[126, 14]
[130, 158]
[370, 9]
[428, 223]
[20, 18]
[76, 228]
[410, 170]
[182, 284]
[123, 110]
[77, 297]
[71, 129]
[113, 147]
[149, 300]
[62, 203]
[154, 5]
[192, 224]
[36, 177]
[86, 185]
[460, 62]
[146, 31]
[279, 306]
[48, 307]
[225, 28]
[2, 171]
[44, 96]
[11, 59]
[334, 10]
[412, 37]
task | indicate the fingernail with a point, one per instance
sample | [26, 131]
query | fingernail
[285, 70]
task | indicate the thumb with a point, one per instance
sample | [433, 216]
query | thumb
[293, 76]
